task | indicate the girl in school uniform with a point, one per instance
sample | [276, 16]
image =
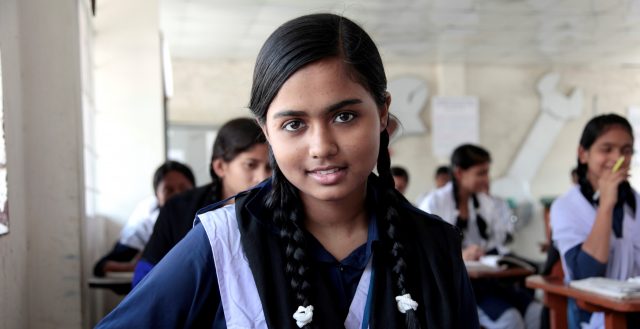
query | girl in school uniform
[323, 243]
[239, 161]
[596, 225]
[485, 222]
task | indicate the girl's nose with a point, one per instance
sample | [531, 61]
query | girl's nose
[322, 144]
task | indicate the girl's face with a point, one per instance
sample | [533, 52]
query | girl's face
[474, 179]
[246, 170]
[324, 130]
[171, 184]
[605, 151]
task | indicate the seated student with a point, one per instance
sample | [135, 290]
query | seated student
[239, 160]
[169, 179]
[400, 178]
[324, 243]
[486, 224]
[594, 225]
[442, 176]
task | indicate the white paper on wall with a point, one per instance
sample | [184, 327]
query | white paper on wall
[455, 121]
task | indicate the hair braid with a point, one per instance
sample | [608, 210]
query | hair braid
[287, 214]
[392, 215]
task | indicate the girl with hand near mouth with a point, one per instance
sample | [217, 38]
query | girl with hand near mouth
[595, 224]
[324, 243]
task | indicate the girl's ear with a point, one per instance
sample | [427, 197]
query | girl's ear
[582, 154]
[457, 173]
[218, 166]
[384, 112]
[263, 127]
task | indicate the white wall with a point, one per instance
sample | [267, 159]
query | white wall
[509, 105]
[129, 121]
[128, 125]
[41, 276]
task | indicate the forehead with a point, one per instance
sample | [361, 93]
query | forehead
[318, 84]
[614, 135]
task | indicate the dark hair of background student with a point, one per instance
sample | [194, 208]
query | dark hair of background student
[168, 167]
[235, 137]
[443, 170]
[467, 155]
[293, 45]
[400, 172]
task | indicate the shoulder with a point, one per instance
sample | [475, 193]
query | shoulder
[445, 192]
[220, 218]
[571, 199]
[189, 198]
[437, 198]
[426, 224]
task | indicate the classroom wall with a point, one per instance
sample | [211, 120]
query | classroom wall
[13, 246]
[128, 135]
[40, 258]
[212, 91]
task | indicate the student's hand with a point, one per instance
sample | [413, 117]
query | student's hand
[608, 186]
[472, 252]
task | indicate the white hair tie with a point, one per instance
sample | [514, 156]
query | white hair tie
[303, 316]
[405, 303]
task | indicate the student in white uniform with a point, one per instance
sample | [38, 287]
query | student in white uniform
[485, 222]
[170, 179]
[595, 225]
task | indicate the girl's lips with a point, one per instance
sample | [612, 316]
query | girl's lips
[328, 176]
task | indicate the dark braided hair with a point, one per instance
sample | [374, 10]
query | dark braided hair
[234, 137]
[293, 45]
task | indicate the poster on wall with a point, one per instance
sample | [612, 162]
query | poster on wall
[4, 211]
[455, 121]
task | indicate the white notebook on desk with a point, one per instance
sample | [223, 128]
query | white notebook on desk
[608, 287]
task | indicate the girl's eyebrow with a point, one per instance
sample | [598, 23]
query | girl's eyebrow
[329, 109]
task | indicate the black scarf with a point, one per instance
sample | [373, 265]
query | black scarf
[625, 195]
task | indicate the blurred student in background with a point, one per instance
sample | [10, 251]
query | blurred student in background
[169, 179]
[595, 224]
[239, 161]
[442, 177]
[485, 223]
[400, 178]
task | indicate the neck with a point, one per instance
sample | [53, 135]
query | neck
[463, 195]
[227, 194]
[340, 225]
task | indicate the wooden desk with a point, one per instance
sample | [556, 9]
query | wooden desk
[556, 294]
[512, 273]
[120, 283]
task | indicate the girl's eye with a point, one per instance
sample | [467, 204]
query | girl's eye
[345, 117]
[627, 151]
[292, 125]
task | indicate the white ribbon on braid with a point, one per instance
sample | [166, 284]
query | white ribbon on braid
[405, 303]
[303, 316]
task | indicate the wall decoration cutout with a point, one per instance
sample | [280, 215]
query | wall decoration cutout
[555, 110]
[408, 99]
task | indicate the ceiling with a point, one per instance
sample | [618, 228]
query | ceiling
[470, 31]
